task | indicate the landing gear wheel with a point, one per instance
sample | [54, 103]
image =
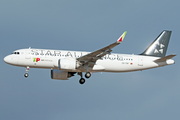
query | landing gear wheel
[88, 75]
[27, 70]
[82, 81]
[26, 75]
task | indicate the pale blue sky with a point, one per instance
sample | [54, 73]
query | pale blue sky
[87, 26]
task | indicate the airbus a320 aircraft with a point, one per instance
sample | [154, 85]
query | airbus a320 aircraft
[65, 64]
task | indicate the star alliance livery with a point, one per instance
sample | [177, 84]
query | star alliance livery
[65, 64]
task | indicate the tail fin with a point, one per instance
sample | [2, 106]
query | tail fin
[159, 47]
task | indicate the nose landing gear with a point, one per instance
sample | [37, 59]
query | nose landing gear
[26, 75]
[27, 70]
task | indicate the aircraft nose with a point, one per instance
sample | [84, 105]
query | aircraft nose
[7, 59]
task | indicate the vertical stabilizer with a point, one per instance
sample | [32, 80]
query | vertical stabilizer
[159, 46]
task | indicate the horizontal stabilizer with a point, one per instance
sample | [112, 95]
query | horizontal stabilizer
[165, 58]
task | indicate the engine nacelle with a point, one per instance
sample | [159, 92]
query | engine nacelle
[61, 75]
[67, 64]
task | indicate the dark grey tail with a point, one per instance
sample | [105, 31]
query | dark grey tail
[159, 46]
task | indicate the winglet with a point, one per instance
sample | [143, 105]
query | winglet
[122, 37]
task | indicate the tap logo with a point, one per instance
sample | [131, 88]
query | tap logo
[36, 59]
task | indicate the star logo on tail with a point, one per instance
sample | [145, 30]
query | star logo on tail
[159, 48]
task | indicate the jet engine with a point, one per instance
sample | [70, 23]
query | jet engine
[67, 64]
[61, 75]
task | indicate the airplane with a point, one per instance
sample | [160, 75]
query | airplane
[65, 64]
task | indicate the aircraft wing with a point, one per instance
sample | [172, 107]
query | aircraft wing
[92, 57]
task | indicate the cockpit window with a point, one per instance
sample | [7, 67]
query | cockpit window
[16, 53]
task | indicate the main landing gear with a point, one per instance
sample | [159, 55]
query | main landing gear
[88, 75]
[27, 70]
[82, 80]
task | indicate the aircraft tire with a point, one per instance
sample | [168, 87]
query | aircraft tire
[88, 75]
[26, 75]
[82, 81]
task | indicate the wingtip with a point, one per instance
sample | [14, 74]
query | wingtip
[121, 37]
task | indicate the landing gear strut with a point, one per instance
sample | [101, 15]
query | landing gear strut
[27, 70]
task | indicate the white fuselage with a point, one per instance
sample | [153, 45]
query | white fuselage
[43, 58]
